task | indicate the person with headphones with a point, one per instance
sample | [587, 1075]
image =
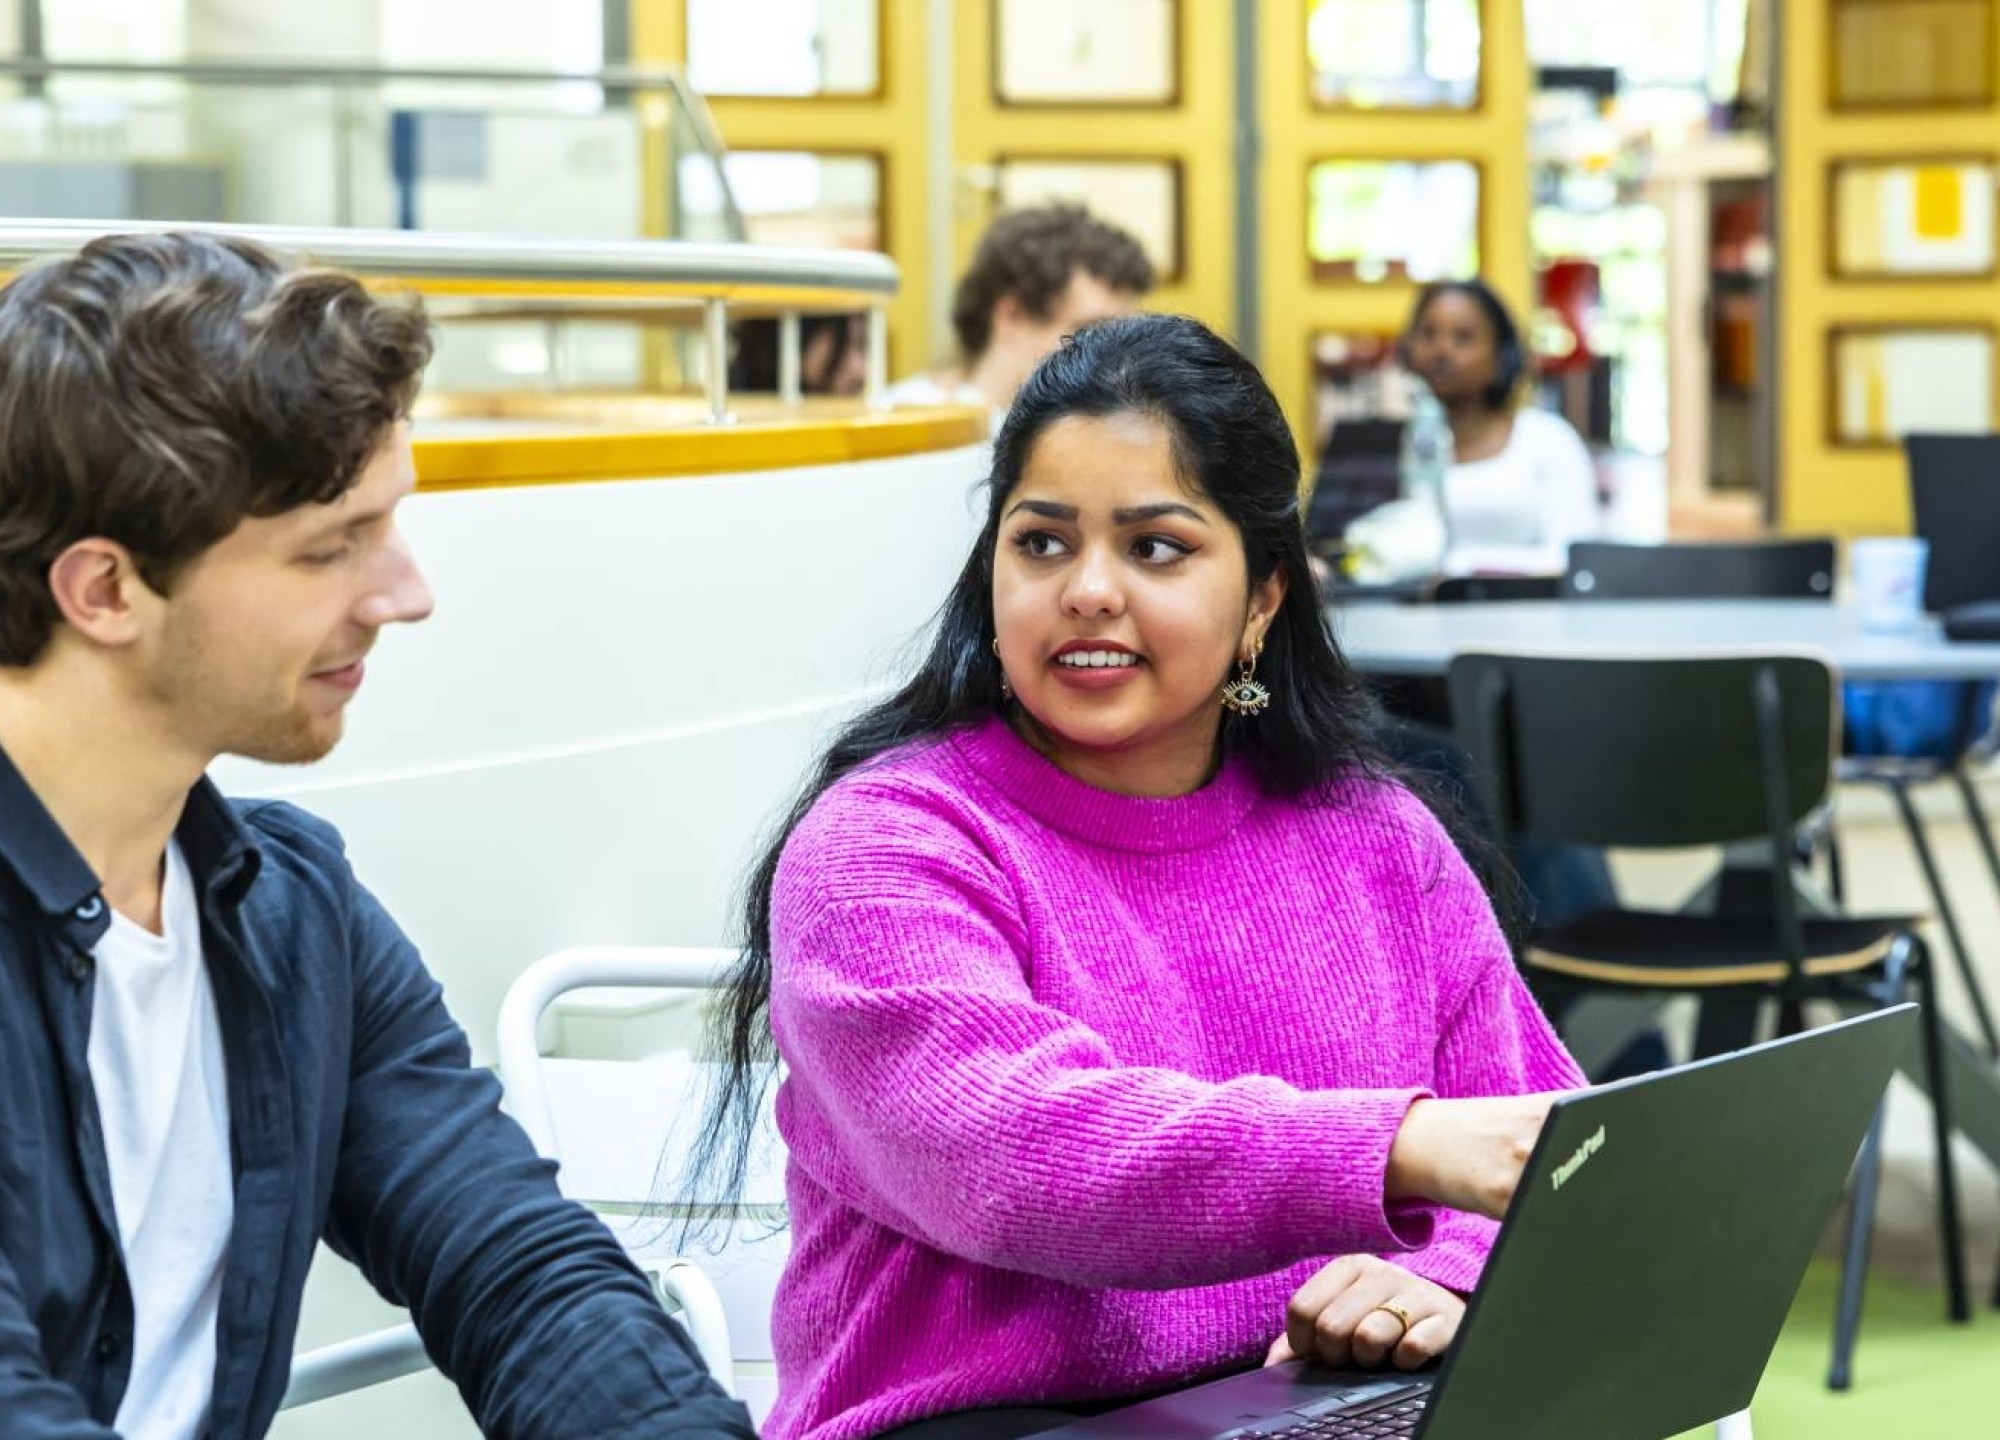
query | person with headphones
[1521, 486]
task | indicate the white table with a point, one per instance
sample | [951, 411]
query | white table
[1421, 639]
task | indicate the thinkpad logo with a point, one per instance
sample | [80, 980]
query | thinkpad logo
[1588, 1148]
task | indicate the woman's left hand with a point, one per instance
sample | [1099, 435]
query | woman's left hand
[1361, 1311]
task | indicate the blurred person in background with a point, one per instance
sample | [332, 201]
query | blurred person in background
[1039, 274]
[833, 355]
[1521, 485]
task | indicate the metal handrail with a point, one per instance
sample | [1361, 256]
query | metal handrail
[711, 276]
[256, 72]
[432, 255]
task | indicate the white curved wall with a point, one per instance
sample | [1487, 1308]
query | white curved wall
[621, 686]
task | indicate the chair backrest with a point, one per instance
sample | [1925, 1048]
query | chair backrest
[1463, 589]
[618, 1125]
[1955, 497]
[1754, 570]
[615, 1117]
[1647, 752]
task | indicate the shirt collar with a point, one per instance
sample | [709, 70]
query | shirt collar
[219, 852]
[221, 855]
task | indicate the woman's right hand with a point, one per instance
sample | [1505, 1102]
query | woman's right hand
[1467, 1154]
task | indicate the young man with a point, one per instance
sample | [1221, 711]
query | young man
[1039, 274]
[215, 1046]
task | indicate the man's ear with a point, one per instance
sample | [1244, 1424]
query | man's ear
[99, 592]
[1008, 314]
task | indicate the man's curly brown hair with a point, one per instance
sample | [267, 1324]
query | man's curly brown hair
[158, 389]
[1031, 254]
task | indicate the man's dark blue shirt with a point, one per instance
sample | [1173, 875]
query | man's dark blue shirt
[355, 1116]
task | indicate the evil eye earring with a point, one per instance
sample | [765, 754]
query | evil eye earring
[1243, 695]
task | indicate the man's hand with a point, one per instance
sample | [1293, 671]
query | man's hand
[1361, 1311]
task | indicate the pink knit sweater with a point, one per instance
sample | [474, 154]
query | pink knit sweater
[1082, 1086]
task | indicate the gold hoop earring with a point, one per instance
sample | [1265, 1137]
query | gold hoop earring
[1243, 695]
[1006, 690]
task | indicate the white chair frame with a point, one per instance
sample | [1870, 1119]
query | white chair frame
[397, 1351]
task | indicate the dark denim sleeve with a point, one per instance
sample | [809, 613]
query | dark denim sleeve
[523, 1298]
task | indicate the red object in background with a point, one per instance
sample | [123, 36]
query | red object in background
[1739, 257]
[1739, 236]
[1568, 297]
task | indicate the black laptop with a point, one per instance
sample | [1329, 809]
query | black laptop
[1640, 1279]
[1955, 496]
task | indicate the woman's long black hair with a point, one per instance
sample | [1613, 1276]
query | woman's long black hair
[1231, 443]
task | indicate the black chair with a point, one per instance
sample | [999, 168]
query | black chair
[1803, 570]
[1753, 570]
[1682, 752]
[1955, 495]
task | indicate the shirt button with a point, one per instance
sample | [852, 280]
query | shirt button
[107, 1345]
[91, 908]
[76, 966]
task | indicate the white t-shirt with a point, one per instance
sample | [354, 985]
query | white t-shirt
[1516, 512]
[163, 1099]
[929, 390]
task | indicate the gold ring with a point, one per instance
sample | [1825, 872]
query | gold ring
[1398, 1311]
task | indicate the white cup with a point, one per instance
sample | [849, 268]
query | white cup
[1888, 576]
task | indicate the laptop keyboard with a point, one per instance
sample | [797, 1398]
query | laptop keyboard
[1383, 1422]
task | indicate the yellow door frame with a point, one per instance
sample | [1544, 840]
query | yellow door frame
[1297, 132]
[1824, 488]
[891, 126]
[1194, 133]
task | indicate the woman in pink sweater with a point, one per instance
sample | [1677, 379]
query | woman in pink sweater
[1137, 1025]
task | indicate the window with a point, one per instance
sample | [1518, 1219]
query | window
[784, 47]
[1373, 220]
[1403, 54]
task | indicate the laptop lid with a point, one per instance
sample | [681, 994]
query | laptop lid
[1661, 1230]
[1955, 496]
[1643, 1271]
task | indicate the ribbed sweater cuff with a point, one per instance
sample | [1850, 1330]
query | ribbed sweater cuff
[1454, 1261]
[1354, 1130]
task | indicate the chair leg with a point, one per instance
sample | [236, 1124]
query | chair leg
[1946, 916]
[1867, 1193]
[1957, 1305]
[1976, 813]
[1854, 1254]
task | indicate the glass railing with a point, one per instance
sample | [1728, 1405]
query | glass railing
[557, 163]
[613, 154]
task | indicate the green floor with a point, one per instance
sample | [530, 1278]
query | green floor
[1915, 1377]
